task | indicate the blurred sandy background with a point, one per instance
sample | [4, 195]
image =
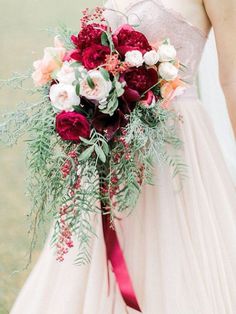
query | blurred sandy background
[22, 41]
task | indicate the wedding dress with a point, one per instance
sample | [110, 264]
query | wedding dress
[212, 96]
[179, 245]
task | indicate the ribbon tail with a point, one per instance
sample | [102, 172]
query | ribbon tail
[116, 257]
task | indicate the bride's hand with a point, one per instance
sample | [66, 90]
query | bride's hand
[222, 14]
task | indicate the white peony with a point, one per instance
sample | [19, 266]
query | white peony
[101, 88]
[168, 71]
[63, 96]
[134, 58]
[151, 57]
[66, 74]
[166, 52]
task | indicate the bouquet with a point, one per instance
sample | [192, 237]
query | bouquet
[103, 120]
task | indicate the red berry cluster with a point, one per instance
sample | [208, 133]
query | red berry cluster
[126, 147]
[77, 184]
[116, 157]
[111, 190]
[114, 65]
[73, 154]
[66, 167]
[90, 17]
[121, 139]
[65, 241]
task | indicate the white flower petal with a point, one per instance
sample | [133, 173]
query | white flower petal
[167, 71]
[166, 52]
[63, 96]
[134, 58]
[151, 57]
[100, 91]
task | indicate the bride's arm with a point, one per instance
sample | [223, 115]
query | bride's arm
[222, 14]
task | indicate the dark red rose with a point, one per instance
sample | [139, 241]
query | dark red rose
[109, 125]
[71, 125]
[94, 56]
[126, 38]
[88, 36]
[138, 80]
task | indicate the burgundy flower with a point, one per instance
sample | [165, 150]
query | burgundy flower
[71, 125]
[88, 36]
[126, 38]
[138, 80]
[148, 99]
[94, 56]
[109, 125]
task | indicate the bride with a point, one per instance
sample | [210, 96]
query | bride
[180, 246]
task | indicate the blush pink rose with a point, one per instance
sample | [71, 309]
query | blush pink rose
[44, 68]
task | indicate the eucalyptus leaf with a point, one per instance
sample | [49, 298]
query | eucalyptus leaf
[119, 89]
[104, 39]
[86, 141]
[105, 74]
[102, 106]
[86, 153]
[75, 64]
[105, 147]
[120, 92]
[90, 82]
[100, 153]
[77, 89]
[77, 74]
[112, 105]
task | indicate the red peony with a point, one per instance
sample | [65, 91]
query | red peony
[89, 35]
[71, 125]
[94, 56]
[138, 80]
[126, 38]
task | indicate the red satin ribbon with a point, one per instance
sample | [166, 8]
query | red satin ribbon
[119, 267]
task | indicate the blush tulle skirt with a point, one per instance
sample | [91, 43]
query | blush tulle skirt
[179, 245]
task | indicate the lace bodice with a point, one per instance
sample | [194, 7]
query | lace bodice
[158, 22]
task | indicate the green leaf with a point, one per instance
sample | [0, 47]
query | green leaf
[104, 39]
[113, 104]
[86, 141]
[77, 74]
[100, 153]
[105, 74]
[86, 153]
[77, 89]
[105, 147]
[75, 64]
[90, 82]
